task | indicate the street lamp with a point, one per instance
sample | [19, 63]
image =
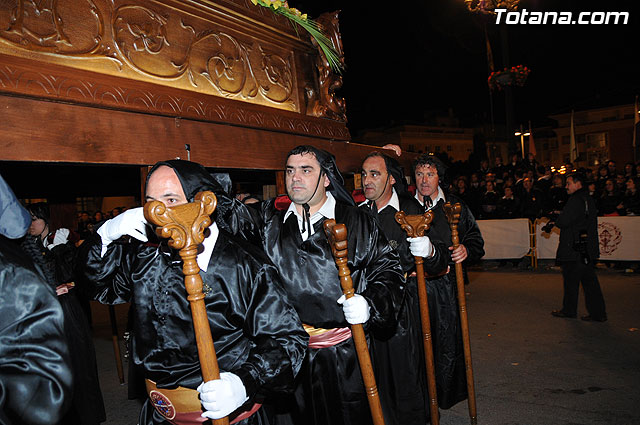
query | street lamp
[521, 133]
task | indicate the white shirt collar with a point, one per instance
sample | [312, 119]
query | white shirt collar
[207, 247]
[393, 202]
[433, 204]
[327, 210]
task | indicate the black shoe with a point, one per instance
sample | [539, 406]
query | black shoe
[560, 313]
[590, 318]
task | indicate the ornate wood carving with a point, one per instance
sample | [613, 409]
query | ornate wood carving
[324, 102]
[56, 83]
[130, 82]
[162, 42]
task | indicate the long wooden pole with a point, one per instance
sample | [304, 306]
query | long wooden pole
[453, 215]
[185, 225]
[337, 235]
[414, 226]
[116, 343]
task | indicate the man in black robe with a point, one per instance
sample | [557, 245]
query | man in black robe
[442, 291]
[258, 337]
[330, 389]
[35, 370]
[399, 360]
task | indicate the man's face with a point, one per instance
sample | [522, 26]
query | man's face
[301, 178]
[527, 183]
[572, 186]
[164, 186]
[374, 179]
[427, 180]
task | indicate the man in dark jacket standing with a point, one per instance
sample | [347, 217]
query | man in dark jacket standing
[577, 252]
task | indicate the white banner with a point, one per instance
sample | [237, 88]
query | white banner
[547, 243]
[619, 239]
[505, 238]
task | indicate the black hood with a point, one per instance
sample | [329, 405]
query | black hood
[397, 172]
[230, 214]
[328, 164]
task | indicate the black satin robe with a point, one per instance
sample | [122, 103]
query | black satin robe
[35, 369]
[57, 266]
[399, 361]
[443, 305]
[256, 333]
[330, 388]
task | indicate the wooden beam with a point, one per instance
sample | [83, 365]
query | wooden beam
[56, 132]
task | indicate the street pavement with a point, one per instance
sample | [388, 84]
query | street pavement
[530, 368]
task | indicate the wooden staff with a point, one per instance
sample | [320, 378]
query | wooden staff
[116, 343]
[453, 216]
[337, 235]
[185, 225]
[414, 226]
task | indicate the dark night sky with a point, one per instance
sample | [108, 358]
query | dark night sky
[405, 59]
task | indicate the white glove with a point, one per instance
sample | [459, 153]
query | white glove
[421, 246]
[61, 237]
[131, 222]
[356, 309]
[222, 396]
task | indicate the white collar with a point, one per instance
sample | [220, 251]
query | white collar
[207, 247]
[394, 202]
[327, 210]
[433, 204]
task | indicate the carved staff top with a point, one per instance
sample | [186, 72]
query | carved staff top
[414, 225]
[337, 235]
[453, 211]
[184, 225]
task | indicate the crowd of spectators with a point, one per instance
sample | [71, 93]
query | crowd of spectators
[524, 188]
[87, 221]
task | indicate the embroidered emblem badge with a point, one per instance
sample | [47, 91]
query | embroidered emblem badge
[162, 404]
